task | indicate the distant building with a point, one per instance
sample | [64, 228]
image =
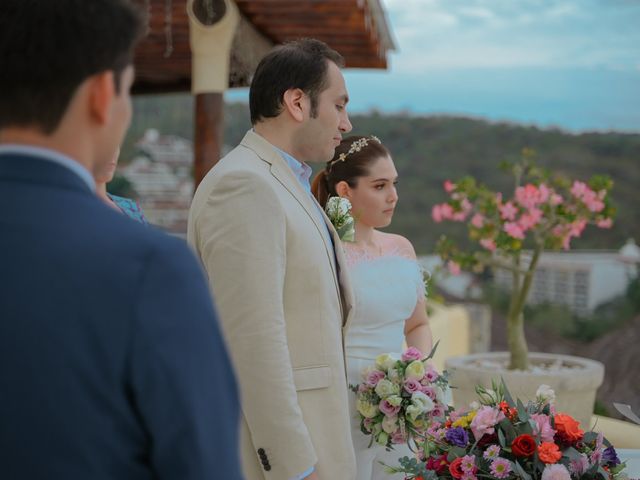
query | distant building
[581, 280]
[161, 174]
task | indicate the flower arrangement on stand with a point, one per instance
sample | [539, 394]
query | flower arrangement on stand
[399, 398]
[499, 438]
[546, 212]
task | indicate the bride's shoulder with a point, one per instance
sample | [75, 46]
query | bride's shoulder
[393, 242]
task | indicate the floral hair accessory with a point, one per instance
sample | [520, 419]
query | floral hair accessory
[339, 212]
[356, 146]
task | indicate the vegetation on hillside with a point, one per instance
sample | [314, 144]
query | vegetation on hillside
[430, 150]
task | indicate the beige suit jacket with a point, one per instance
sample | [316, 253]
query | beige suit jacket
[284, 305]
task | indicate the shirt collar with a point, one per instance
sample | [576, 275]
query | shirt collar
[301, 170]
[53, 156]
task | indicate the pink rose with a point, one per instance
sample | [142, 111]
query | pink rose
[374, 376]
[429, 392]
[430, 373]
[388, 409]
[411, 385]
[485, 420]
[410, 354]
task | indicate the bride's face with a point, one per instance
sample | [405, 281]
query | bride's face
[374, 197]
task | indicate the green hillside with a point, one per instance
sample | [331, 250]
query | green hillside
[429, 150]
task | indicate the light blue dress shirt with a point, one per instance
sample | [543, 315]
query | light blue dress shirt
[53, 156]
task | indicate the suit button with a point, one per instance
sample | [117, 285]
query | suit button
[267, 467]
[261, 451]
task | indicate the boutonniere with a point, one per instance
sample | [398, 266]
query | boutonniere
[339, 212]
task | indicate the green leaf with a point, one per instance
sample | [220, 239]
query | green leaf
[521, 473]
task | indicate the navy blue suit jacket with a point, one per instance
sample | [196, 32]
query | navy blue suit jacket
[112, 365]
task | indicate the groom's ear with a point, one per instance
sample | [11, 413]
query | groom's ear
[343, 190]
[294, 101]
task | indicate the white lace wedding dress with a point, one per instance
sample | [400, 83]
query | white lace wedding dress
[386, 292]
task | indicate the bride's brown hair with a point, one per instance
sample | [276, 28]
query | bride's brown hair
[351, 160]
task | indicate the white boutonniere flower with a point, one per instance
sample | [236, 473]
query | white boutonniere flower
[339, 212]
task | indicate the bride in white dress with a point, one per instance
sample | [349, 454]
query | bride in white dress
[387, 280]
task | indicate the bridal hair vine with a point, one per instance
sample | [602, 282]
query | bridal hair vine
[356, 146]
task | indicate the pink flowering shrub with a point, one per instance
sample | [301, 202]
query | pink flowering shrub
[545, 212]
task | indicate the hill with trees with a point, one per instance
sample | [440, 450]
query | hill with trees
[431, 149]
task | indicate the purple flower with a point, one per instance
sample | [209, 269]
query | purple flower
[610, 457]
[411, 354]
[457, 436]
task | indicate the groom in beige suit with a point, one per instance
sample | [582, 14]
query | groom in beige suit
[280, 284]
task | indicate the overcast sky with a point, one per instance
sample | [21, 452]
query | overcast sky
[573, 64]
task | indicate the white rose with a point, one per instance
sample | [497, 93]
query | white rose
[390, 424]
[395, 400]
[366, 409]
[382, 438]
[412, 412]
[385, 361]
[422, 401]
[385, 388]
[415, 370]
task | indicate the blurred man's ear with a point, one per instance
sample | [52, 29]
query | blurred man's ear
[101, 93]
[294, 101]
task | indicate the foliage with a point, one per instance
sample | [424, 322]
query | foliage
[545, 212]
[502, 438]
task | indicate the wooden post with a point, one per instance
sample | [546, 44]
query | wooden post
[209, 123]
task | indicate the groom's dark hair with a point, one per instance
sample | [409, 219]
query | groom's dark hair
[299, 64]
[49, 47]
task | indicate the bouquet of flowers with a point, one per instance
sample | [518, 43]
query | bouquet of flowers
[399, 398]
[500, 438]
[338, 210]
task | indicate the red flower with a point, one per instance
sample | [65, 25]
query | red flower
[455, 468]
[523, 446]
[567, 428]
[438, 464]
[509, 412]
[549, 452]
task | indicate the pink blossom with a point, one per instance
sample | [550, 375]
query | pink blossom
[508, 211]
[477, 220]
[437, 412]
[499, 199]
[556, 199]
[514, 230]
[388, 409]
[440, 212]
[454, 268]
[577, 227]
[363, 388]
[543, 427]
[593, 203]
[484, 421]
[430, 373]
[530, 219]
[468, 464]
[544, 192]
[555, 472]
[605, 223]
[410, 354]
[566, 242]
[449, 186]
[374, 376]
[528, 196]
[489, 244]
[411, 385]
[579, 465]
[578, 189]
